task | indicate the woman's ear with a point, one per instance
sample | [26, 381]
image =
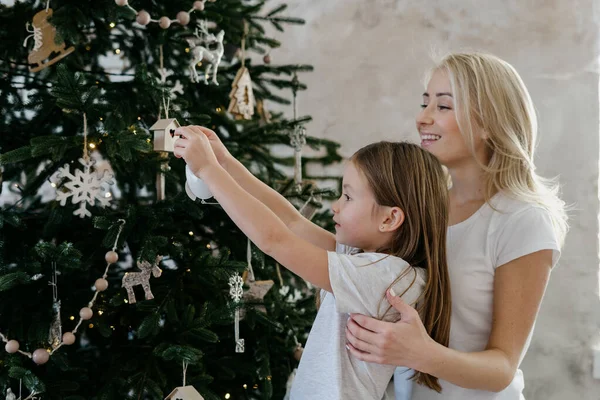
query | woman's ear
[393, 219]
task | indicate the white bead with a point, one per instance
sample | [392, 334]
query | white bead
[101, 284]
[199, 5]
[111, 257]
[12, 346]
[86, 313]
[68, 338]
[183, 17]
[121, 2]
[143, 18]
[41, 356]
[164, 22]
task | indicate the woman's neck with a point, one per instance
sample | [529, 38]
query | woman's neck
[468, 184]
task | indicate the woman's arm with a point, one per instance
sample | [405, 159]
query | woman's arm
[518, 290]
[267, 195]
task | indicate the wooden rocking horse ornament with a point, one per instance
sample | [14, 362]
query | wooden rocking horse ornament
[131, 279]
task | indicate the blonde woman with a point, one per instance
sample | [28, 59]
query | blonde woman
[507, 226]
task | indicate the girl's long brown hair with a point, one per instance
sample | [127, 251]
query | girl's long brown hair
[404, 175]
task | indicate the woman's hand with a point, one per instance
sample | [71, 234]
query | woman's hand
[403, 343]
[223, 155]
[194, 147]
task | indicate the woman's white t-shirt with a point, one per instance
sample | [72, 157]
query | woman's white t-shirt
[477, 246]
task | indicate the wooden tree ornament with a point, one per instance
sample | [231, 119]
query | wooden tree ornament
[242, 97]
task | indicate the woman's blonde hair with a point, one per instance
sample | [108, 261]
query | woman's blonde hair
[404, 175]
[489, 93]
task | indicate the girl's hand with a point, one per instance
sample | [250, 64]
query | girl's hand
[223, 155]
[195, 149]
[403, 343]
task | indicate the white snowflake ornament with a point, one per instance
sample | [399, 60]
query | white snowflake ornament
[177, 88]
[85, 187]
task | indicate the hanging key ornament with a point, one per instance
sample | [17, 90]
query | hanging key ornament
[297, 136]
[236, 290]
[55, 334]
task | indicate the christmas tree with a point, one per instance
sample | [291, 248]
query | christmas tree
[93, 200]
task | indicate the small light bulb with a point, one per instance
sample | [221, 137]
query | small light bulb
[101, 119]
[187, 49]
[208, 246]
[100, 312]
[112, 24]
[112, 327]
[139, 118]
[191, 233]
[227, 395]
[107, 195]
[91, 326]
[53, 184]
[92, 146]
[125, 300]
[148, 140]
[71, 318]
[117, 51]
[218, 109]
[245, 386]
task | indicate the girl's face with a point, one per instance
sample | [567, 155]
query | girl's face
[356, 213]
[438, 127]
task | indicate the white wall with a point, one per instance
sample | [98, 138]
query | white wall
[369, 58]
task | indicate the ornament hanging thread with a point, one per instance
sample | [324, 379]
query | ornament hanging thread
[242, 101]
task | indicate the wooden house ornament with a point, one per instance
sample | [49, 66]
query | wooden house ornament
[184, 393]
[164, 137]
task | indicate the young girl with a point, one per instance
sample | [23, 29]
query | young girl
[391, 224]
[507, 225]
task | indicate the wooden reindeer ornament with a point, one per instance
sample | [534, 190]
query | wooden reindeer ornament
[131, 279]
[212, 58]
